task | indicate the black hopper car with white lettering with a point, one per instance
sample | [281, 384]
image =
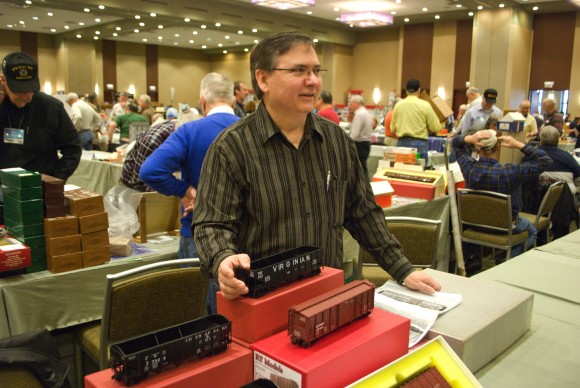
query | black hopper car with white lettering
[271, 272]
[134, 359]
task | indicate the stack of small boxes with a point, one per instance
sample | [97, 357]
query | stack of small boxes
[23, 212]
[93, 225]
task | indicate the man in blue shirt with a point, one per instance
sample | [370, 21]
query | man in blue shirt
[476, 117]
[185, 149]
[488, 174]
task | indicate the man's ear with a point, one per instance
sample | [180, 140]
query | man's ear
[262, 78]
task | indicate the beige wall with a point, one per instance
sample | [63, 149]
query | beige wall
[520, 56]
[234, 66]
[10, 42]
[443, 60]
[131, 67]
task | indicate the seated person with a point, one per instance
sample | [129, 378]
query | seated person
[488, 174]
[123, 122]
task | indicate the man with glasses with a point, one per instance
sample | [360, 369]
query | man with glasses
[286, 178]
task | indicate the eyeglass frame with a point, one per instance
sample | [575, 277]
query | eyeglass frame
[304, 71]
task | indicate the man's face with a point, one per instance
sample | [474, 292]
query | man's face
[525, 109]
[486, 105]
[353, 105]
[242, 93]
[289, 93]
[142, 103]
[547, 107]
[18, 99]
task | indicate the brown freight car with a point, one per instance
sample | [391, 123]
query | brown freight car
[317, 317]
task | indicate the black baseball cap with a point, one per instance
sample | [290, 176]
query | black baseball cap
[413, 85]
[21, 72]
[490, 95]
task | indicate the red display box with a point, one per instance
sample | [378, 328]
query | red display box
[413, 190]
[254, 319]
[13, 254]
[233, 368]
[337, 359]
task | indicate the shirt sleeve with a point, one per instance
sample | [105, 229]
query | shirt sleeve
[68, 144]
[157, 170]
[356, 126]
[433, 124]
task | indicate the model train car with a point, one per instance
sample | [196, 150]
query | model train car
[274, 271]
[133, 360]
[317, 317]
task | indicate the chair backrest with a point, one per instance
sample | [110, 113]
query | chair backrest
[136, 128]
[150, 298]
[485, 209]
[550, 200]
[419, 238]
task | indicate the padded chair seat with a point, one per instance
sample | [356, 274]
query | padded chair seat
[543, 222]
[90, 338]
[492, 238]
[18, 377]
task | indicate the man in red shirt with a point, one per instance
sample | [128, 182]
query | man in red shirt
[324, 107]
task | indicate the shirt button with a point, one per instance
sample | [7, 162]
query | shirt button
[307, 215]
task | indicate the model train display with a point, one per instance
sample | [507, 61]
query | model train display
[134, 359]
[317, 317]
[277, 270]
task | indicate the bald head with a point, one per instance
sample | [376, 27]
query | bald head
[525, 107]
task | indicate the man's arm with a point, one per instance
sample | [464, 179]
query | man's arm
[96, 123]
[433, 123]
[68, 144]
[356, 126]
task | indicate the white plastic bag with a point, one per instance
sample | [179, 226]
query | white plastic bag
[120, 204]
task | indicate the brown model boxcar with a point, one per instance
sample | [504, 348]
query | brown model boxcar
[317, 317]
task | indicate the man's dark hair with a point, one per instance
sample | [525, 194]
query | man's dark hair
[133, 107]
[265, 54]
[326, 97]
[237, 86]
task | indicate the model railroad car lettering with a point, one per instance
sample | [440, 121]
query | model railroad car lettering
[258, 357]
[273, 365]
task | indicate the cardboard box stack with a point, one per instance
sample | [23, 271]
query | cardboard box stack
[53, 196]
[93, 223]
[23, 212]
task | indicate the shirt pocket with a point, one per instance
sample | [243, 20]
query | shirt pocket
[336, 201]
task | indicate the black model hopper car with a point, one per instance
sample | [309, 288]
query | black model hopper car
[274, 271]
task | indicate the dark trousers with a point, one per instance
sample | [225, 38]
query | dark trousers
[364, 149]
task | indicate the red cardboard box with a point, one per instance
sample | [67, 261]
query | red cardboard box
[13, 254]
[232, 368]
[337, 359]
[383, 193]
[254, 319]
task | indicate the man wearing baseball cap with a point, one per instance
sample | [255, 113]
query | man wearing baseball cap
[476, 117]
[34, 126]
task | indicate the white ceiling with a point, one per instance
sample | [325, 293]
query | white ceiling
[237, 17]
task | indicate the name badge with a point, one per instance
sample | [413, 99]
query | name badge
[13, 136]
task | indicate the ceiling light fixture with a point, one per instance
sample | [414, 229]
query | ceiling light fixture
[284, 4]
[366, 19]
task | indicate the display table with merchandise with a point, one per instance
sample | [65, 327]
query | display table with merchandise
[44, 300]
[95, 174]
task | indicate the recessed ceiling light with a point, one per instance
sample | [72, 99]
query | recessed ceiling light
[152, 14]
[393, 12]
[203, 26]
[136, 30]
[227, 36]
[194, 32]
[160, 26]
[9, 26]
[98, 32]
[437, 17]
[101, 6]
[35, 18]
[81, 23]
[118, 28]
[237, 43]
[220, 45]
[458, 5]
[470, 14]
[398, 1]
[50, 14]
[21, 22]
[141, 24]
[240, 32]
[53, 30]
[336, 9]
[256, 41]
[115, 34]
[315, 40]
[309, 13]
[137, 17]
[87, 10]
[351, 25]
[176, 35]
[203, 46]
[246, 49]
[254, 30]
[96, 38]
[187, 20]
[191, 41]
[160, 37]
[66, 27]
[338, 19]
[406, 20]
[425, 9]
[144, 39]
[480, 7]
[225, 51]
[536, 8]
[218, 24]
[79, 36]
[28, 2]
[502, 5]
[97, 20]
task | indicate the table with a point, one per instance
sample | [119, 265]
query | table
[435, 209]
[548, 354]
[54, 301]
[96, 175]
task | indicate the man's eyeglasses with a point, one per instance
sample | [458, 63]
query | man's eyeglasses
[304, 71]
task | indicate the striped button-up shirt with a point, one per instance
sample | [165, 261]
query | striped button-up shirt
[260, 195]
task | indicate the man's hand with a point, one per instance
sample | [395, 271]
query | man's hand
[423, 282]
[510, 142]
[230, 286]
[188, 200]
[478, 136]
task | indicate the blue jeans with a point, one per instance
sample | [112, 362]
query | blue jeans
[421, 145]
[521, 225]
[187, 249]
[211, 300]
[86, 138]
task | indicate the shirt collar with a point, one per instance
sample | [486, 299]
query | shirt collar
[267, 129]
[220, 109]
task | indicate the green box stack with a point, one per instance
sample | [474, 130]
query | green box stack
[23, 212]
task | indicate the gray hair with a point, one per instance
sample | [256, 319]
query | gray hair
[549, 136]
[217, 88]
[146, 99]
[358, 99]
[265, 54]
[472, 90]
[72, 96]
